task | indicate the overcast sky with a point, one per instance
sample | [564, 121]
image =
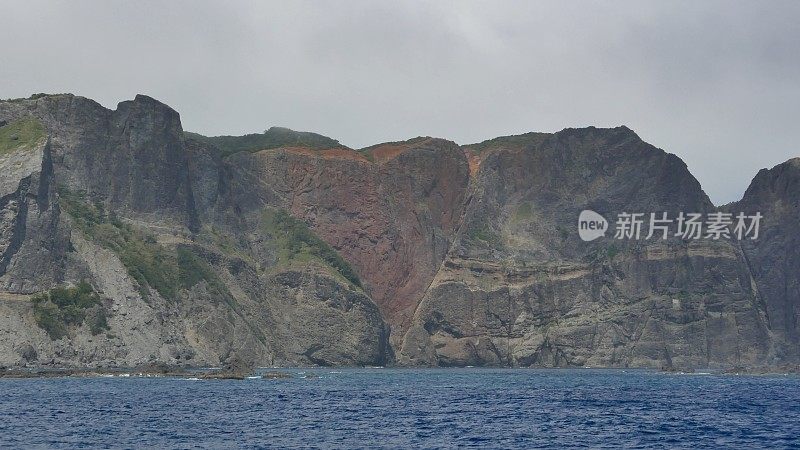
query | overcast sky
[717, 83]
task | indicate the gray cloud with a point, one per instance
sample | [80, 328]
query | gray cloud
[714, 82]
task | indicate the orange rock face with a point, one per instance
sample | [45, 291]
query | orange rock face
[392, 219]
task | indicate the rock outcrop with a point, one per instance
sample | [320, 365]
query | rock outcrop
[107, 197]
[391, 211]
[773, 259]
[288, 248]
[520, 288]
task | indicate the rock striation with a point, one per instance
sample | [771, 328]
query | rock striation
[773, 260]
[519, 288]
[288, 248]
[108, 197]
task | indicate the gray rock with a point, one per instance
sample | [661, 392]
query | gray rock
[520, 288]
[464, 255]
[773, 261]
[135, 163]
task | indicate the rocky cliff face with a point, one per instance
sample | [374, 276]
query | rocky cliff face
[107, 197]
[288, 249]
[33, 243]
[132, 159]
[773, 259]
[390, 211]
[520, 288]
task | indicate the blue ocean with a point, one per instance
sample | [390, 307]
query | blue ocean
[400, 408]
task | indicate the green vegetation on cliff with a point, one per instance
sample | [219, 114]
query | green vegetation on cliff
[152, 265]
[523, 213]
[22, 133]
[484, 235]
[515, 141]
[193, 269]
[295, 242]
[147, 262]
[407, 142]
[58, 309]
[275, 137]
[33, 97]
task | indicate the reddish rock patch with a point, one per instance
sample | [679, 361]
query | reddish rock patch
[393, 221]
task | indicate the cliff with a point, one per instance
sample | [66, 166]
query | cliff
[519, 287]
[773, 259]
[108, 197]
[125, 241]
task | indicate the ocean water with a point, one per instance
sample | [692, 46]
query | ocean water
[393, 408]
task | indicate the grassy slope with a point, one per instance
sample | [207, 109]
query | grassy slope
[153, 266]
[514, 141]
[296, 243]
[273, 138]
[22, 133]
